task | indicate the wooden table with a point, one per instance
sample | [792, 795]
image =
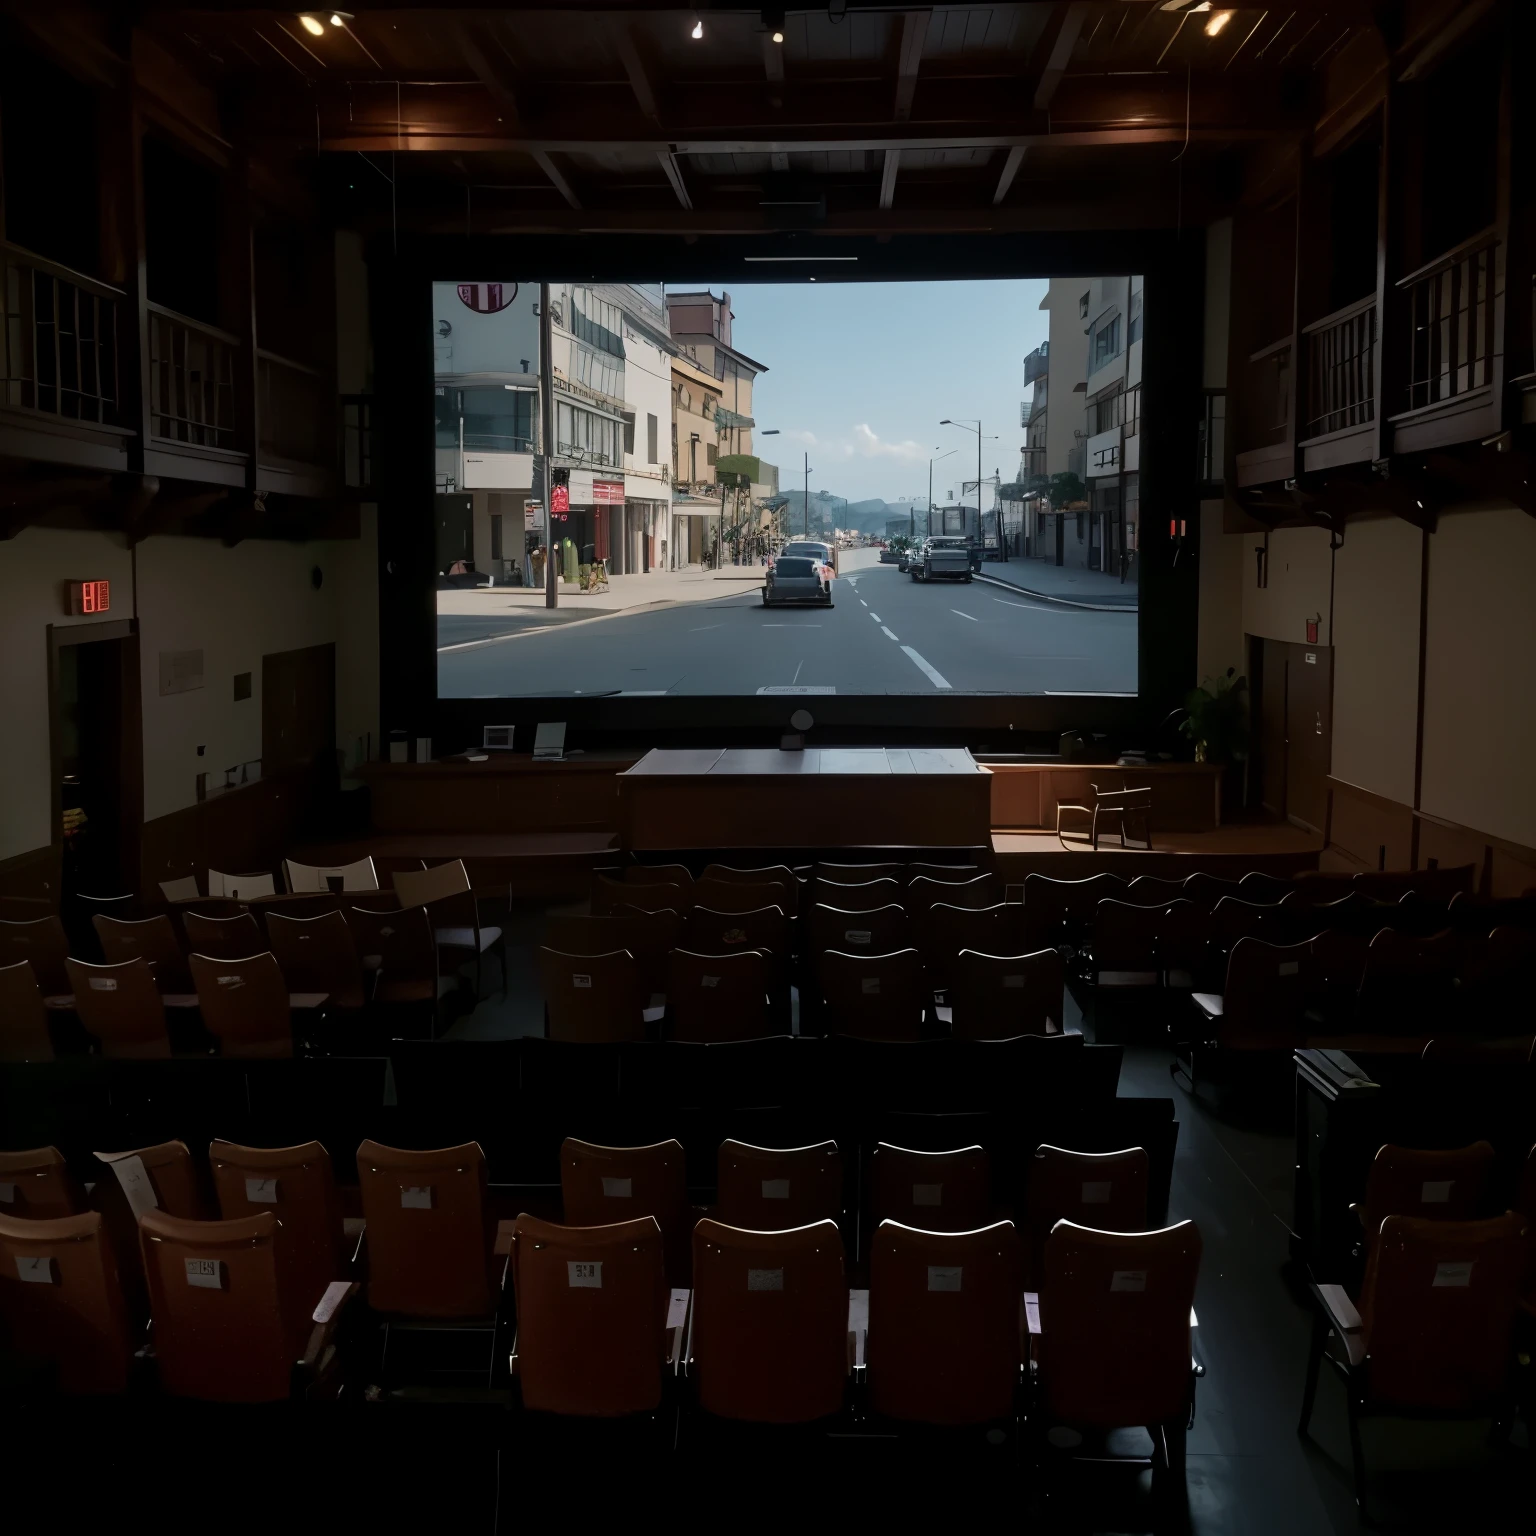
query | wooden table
[828, 797]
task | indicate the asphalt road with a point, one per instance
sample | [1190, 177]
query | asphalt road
[885, 634]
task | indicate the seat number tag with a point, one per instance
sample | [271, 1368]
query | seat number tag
[857, 935]
[261, 1191]
[765, 1279]
[944, 1277]
[34, 1268]
[870, 985]
[1096, 1194]
[1453, 1274]
[1014, 983]
[584, 1276]
[232, 982]
[618, 1189]
[775, 1189]
[1128, 1280]
[709, 981]
[7, 1194]
[1290, 967]
[103, 983]
[1436, 1191]
[581, 981]
[927, 1194]
[206, 1274]
[416, 1197]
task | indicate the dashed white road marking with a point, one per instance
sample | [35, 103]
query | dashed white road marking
[1032, 607]
[893, 637]
[875, 617]
[972, 617]
[935, 677]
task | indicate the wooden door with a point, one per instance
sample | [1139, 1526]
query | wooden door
[298, 709]
[1269, 681]
[1309, 733]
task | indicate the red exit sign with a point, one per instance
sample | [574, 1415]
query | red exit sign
[90, 596]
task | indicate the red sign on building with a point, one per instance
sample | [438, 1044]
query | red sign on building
[560, 500]
[607, 493]
[487, 298]
[90, 597]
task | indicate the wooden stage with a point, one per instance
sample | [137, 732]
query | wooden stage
[1275, 848]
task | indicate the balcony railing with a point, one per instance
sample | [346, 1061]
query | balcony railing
[58, 340]
[191, 380]
[293, 411]
[1269, 372]
[1452, 305]
[357, 441]
[1341, 369]
[1213, 438]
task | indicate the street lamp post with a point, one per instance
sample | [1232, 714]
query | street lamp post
[975, 427]
[931, 462]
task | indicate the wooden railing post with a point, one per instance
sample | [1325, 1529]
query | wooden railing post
[238, 279]
[123, 262]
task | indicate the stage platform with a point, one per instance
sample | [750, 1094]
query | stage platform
[1275, 848]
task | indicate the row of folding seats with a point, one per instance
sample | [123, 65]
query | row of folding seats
[943, 1321]
[1440, 1301]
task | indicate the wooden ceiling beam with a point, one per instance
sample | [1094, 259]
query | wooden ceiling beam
[914, 35]
[478, 51]
[542, 159]
[888, 177]
[639, 77]
[1062, 32]
[1011, 163]
[674, 174]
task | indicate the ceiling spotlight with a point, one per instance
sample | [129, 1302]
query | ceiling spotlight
[340, 18]
[698, 29]
[1217, 22]
[311, 24]
[773, 20]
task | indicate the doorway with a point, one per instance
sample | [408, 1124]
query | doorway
[96, 756]
[1292, 706]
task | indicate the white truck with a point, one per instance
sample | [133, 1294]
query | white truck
[947, 557]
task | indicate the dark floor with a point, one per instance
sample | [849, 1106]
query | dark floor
[1248, 1472]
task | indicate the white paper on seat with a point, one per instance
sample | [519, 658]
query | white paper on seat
[103, 983]
[927, 1194]
[1436, 1191]
[232, 982]
[677, 1309]
[775, 1189]
[654, 1015]
[709, 981]
[944, 1277]
[35, 1269]
[869, 985]
[416, 1197]
[581, 981]
[1459, 1274]
[261, 1191]
[205, 1274]
[584, 1275]
[1128, 1280]
[765, 1279]
[7, 1194]
[618, 1189]
[133, 1178]
[1096, 1193]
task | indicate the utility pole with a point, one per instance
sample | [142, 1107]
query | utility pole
[807, 530]
[549, 435]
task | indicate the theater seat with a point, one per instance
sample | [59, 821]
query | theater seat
[944, 1323]
[875, 997]
[766, 1189]
[430, 1240]
[1437, 1185]
[62, 1305]
[592, 998]
[225, 938]
[245, 1005]
[120, 1006]
[152, 939]
[37, 1186]
[606, 1186]
[23, 1018]
[718, 997]
[592, 1317]
[999, 997]
[933, 1191]
[1103, 1190]
[43, 944]
[769, 1339]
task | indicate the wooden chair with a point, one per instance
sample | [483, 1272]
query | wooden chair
[245, 1004]
[225, 938]
[1429, 1185]
[946, 930]
[23, 1017]
[944, 1323]
[603, 1186]
[877, 930]
[857, 874]
[1233, 919]
[875, 997]
[121, 1008]
[923, 891]
[764, 874]
[1432, 1336]
[592, 997]
[150, 938]
[609, 896]
[37, 1185]
[948, 874]
[593, 1308]
[1124, 808]
[318, 954]
[769, 1189]
[1265, 889]
[42, 943]
[183, 888]
[659, 874]
[360, 875]
[999, 997]
[934, 1191]
[1106, 1191]
[398, 951]
[649, 936]
[1206, 890]
[1122, 946]
[450, 901]
[718, 997]
[740, 895]
[710, 932]
[1260, 1006]
[867, 896]
[1059, 912]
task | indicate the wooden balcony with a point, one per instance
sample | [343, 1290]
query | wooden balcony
[1451, 314]
[59, 387]
[193, 427]
[1266, 448]
[1339, 413]
[296, 423]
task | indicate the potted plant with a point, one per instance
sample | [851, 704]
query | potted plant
[1218, 719]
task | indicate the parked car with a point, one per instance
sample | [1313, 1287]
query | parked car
[797, 580]
[947, 557]
[889, 556]
[812, 549]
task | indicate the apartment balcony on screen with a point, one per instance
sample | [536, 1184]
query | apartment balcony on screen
[768, 737]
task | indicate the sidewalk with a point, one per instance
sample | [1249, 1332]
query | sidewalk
[1063, 583]
[471, 613]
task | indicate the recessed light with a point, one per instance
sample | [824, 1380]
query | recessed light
[311, 24]
[698, 29]
[1217, 22]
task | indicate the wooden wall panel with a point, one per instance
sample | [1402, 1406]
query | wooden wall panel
[510, 793]
[1363, 824]
[242, 831]
[29, 883]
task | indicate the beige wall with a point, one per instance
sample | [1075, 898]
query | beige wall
[1479, 699]
[34, 567]
[1218, 291]
[1219, 642]
[235, 605]
[1376, 656]
[1068, 365]
[1299, 583]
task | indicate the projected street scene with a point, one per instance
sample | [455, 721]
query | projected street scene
[779, 490]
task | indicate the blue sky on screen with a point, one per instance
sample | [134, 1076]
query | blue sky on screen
[860, 374]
